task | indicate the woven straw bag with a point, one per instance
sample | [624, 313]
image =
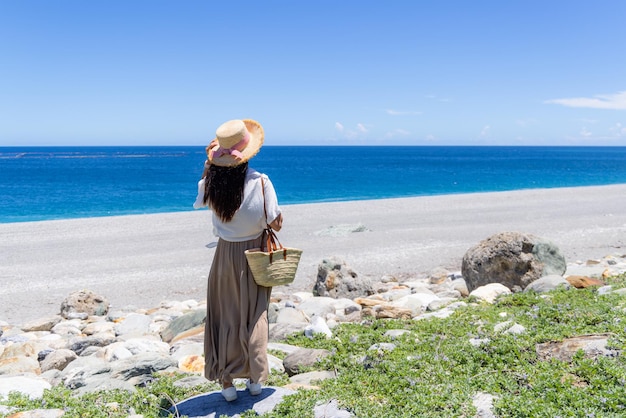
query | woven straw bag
[273, 265]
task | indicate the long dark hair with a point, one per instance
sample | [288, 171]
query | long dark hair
[223, 189]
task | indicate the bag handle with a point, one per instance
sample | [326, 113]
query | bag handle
[272, 243]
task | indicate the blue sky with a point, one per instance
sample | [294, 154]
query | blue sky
[133, 72]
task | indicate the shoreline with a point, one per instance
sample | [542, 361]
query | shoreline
[317, 202]
[140, 260]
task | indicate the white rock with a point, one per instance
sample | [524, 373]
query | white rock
[502, 326]
[516, 329]
[186, 349]
[300, 297]
[116, 351]
[275, 363]
[99, 327]
[145, 345]
[417, 302]
[317, 326]
[134, 325]
[32, 387]
[320, 306]
[291, 316]
[490, 292]
[477, 342]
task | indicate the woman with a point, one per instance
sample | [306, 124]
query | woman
[236, 330]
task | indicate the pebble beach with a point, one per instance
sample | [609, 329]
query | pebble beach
[141, 260]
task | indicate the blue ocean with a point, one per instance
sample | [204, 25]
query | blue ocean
[44, 183]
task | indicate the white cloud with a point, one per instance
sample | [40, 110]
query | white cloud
[393, 112]
[485, 131]
[615, 101]
[359, 132]
[585, 132]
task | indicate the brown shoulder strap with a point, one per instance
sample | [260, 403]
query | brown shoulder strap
[264, 208]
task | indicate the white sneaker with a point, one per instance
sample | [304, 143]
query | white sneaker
[230, 394]
[254, 388]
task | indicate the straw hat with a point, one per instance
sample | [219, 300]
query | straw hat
[236, 141]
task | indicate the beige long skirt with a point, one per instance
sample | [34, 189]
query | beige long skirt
[236, 330]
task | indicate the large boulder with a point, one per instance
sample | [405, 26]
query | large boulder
[512, 259]
[84, 303]
[336, 280]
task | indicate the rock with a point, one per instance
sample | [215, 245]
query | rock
[181, 350]
[387, 312]
[80, 344]
[304, 357]
[438, 275]
[58, 360]
[69, 327]
[477, 342]
[24, 348]
[101, 327]
[133, 325]
[42, 324]
[191, 381]
[417, 302]
[483, 402]
[141, 365]
[509, 327]
[193, 363]
[190, 335]
[291, 316]
[547, 284]
[337, 280]
[594, 346]
[317, 326]
[320, 306]
[282, 347]
[438, 304]
[29, 385]
[516, 329]
[116, 351]
[512, 259]
[490, 292]
[275, 364]
[39, 413]
[382, 348]
[81, 372]
[183, 323]
[582, 282]
[19, 365]
[330, 410]
[98, 383]
[272, 313]
[279, 332]
[84, 301]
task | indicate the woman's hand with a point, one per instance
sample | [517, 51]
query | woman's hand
[277, 223]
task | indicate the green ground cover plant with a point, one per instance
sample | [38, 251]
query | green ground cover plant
[433, 370]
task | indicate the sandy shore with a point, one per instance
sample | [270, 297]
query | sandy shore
[142, 260]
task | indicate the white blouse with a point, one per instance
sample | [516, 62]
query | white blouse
[249, 220]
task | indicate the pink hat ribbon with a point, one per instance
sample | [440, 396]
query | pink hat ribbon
[235, 150]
